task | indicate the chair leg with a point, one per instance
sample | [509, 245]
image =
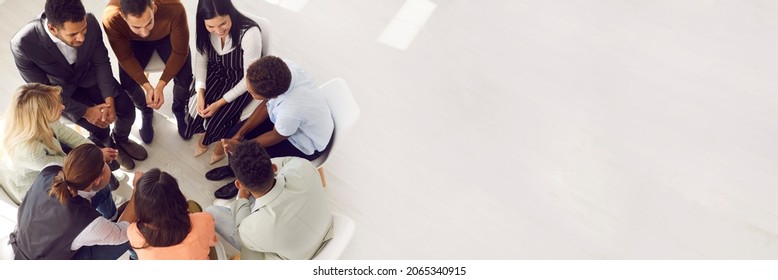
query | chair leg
[323, 180]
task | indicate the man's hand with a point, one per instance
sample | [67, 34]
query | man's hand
[109, 154]
[243, 192]
[230, 144]
[96, 116]
[149, 90]
[138, 174]
[158, 97]
[109, 112]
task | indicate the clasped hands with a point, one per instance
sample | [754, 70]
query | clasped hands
[155, 97]
[101, 115]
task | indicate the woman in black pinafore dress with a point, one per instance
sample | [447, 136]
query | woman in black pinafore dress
[220, 92]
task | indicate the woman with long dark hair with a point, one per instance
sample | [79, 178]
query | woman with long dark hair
[227, 43]
[165, 229]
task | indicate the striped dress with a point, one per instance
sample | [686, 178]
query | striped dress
[224, 72]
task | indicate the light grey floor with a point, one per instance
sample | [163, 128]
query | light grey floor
[532, 129]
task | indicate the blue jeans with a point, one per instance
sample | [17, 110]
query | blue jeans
[103, 203]
[225, 225]
[101, 252]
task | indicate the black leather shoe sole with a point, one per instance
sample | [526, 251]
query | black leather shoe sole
[219, 173]
[227, 191]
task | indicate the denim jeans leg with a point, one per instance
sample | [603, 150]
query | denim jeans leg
[104, 204]
[225, 226]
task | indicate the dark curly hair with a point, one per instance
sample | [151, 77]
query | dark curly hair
[133, 7]
[162, 210]
[60, 11]
[251, 165]
[269, 77]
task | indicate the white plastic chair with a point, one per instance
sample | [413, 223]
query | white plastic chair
[8, 211]
[8, 207]
[6, 251]
[265, 31]
[343, 228]
[345, 113]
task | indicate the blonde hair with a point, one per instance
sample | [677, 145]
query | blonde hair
[28, 118]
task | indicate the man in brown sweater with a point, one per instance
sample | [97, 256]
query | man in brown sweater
[135, 29]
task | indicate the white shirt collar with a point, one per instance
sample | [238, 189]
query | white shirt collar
[67, 51]
[272, 194]
[53, 38]
[216, 44]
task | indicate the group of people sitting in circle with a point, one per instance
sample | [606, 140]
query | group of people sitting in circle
[62, 181]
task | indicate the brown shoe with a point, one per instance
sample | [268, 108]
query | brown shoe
[124, 160]
[134, 150]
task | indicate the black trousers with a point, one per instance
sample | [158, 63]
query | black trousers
[282, 149]
[181, 82]
[125, 114]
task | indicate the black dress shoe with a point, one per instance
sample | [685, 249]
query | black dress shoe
[227, 191]
[124, 160]
[113, 183]
[147, 129]
[113, 165]
[219, 173]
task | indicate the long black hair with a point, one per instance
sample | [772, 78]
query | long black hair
[161, 209]
[208, 9]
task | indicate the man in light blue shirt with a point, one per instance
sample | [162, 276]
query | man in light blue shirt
[296, 120]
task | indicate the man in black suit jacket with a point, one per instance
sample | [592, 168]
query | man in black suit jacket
[64, 47]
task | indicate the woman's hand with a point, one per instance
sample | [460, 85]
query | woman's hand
[200, 101]
[211, 109]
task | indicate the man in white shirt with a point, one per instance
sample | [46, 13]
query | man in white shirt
[287, 217]
[296, 120]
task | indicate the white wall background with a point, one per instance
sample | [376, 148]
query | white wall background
[539, 129]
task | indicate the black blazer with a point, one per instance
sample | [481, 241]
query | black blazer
[39, 60]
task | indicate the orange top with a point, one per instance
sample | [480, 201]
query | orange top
[195, 246]
[169, 20]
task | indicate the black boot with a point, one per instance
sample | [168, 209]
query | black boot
[147, 129]
[181, 123]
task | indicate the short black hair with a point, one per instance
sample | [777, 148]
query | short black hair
[60, 11]
[251, 165]
[269, 76]
[134, 7]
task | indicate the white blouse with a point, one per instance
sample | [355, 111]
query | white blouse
[252, 51]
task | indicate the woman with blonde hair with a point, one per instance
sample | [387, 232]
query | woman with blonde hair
[33, 137]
